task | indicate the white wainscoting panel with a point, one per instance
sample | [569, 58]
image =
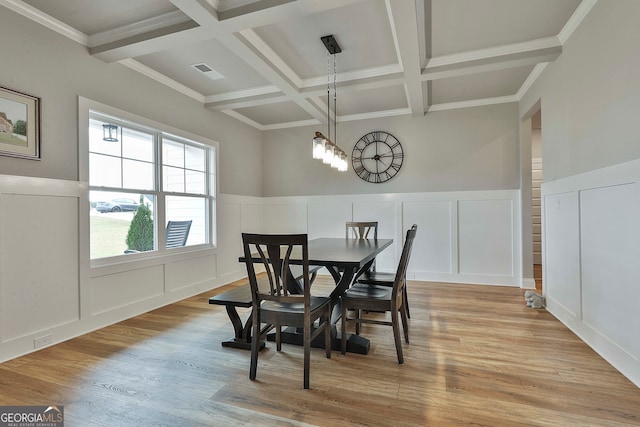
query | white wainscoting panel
[117, 290]
[385, 213]
[193, 271]
[591, 229]
[229, 214]
[236, 214]
[39, 283]
[486, 238]
[492, 216]
[251, 218]
[610, 254]
[48, 289]
[562, 249]
[285, 217]
[435, 251]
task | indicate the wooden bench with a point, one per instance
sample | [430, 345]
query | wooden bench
[241, 297]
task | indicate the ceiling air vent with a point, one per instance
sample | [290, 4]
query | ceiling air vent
[208, 71]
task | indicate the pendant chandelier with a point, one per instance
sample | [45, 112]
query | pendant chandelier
[323, 148]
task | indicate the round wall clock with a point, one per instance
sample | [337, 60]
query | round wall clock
[377, 157]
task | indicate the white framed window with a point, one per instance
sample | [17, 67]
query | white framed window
[143, 176]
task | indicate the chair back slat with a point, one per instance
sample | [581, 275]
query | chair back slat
[177, 233]
[275, 252]
[400, 279]
[361, 230]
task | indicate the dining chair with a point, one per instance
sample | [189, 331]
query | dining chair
[276, 304]
[360, 230]
[372, 277]
[177, 233]
[362, 297]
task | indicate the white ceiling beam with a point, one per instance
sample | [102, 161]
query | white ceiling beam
[137, 28]
[245, 102]
[161, 78]
[404, 27]
[268, 12]
[474, 103]
[157, 40]
[494, 58]
[205, 16]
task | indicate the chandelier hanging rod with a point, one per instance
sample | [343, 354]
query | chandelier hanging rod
[323, 148]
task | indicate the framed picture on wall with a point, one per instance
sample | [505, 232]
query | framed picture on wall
[19, 124]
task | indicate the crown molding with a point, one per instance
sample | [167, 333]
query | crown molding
[579, 14]
[42, 18]
[530, 80]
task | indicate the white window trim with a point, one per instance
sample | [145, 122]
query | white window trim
[84, 107]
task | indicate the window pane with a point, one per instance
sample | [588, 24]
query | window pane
[137, 175]
[137, 145]
[173, 153]
[192, 209]
[131, 165]
[194, 158]
[112, 229]
[104, 171]
[97, 144]
[173, 179]
[195, 182]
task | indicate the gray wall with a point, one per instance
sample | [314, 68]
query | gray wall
[591, 182]
[465, 149]
[45, 64]
[591, 93]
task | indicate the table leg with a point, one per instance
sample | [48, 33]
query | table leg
[355, 343]
[242, 333]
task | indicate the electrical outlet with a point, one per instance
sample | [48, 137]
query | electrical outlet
[43, 341]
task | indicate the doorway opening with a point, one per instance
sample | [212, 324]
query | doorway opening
[536, 182]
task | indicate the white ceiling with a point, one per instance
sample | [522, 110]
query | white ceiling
[399, 57]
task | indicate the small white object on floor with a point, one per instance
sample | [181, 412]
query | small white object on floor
[534, 300]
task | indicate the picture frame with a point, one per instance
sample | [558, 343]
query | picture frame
[19, 124]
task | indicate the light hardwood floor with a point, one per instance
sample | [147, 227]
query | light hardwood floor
[478, 356]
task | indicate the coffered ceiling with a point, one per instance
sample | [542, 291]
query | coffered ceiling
[269, 66]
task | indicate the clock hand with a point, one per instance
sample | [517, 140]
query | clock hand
[377, 157]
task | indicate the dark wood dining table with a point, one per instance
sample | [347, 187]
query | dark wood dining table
[345, 259]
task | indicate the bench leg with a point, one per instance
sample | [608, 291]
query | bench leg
[242, 333]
